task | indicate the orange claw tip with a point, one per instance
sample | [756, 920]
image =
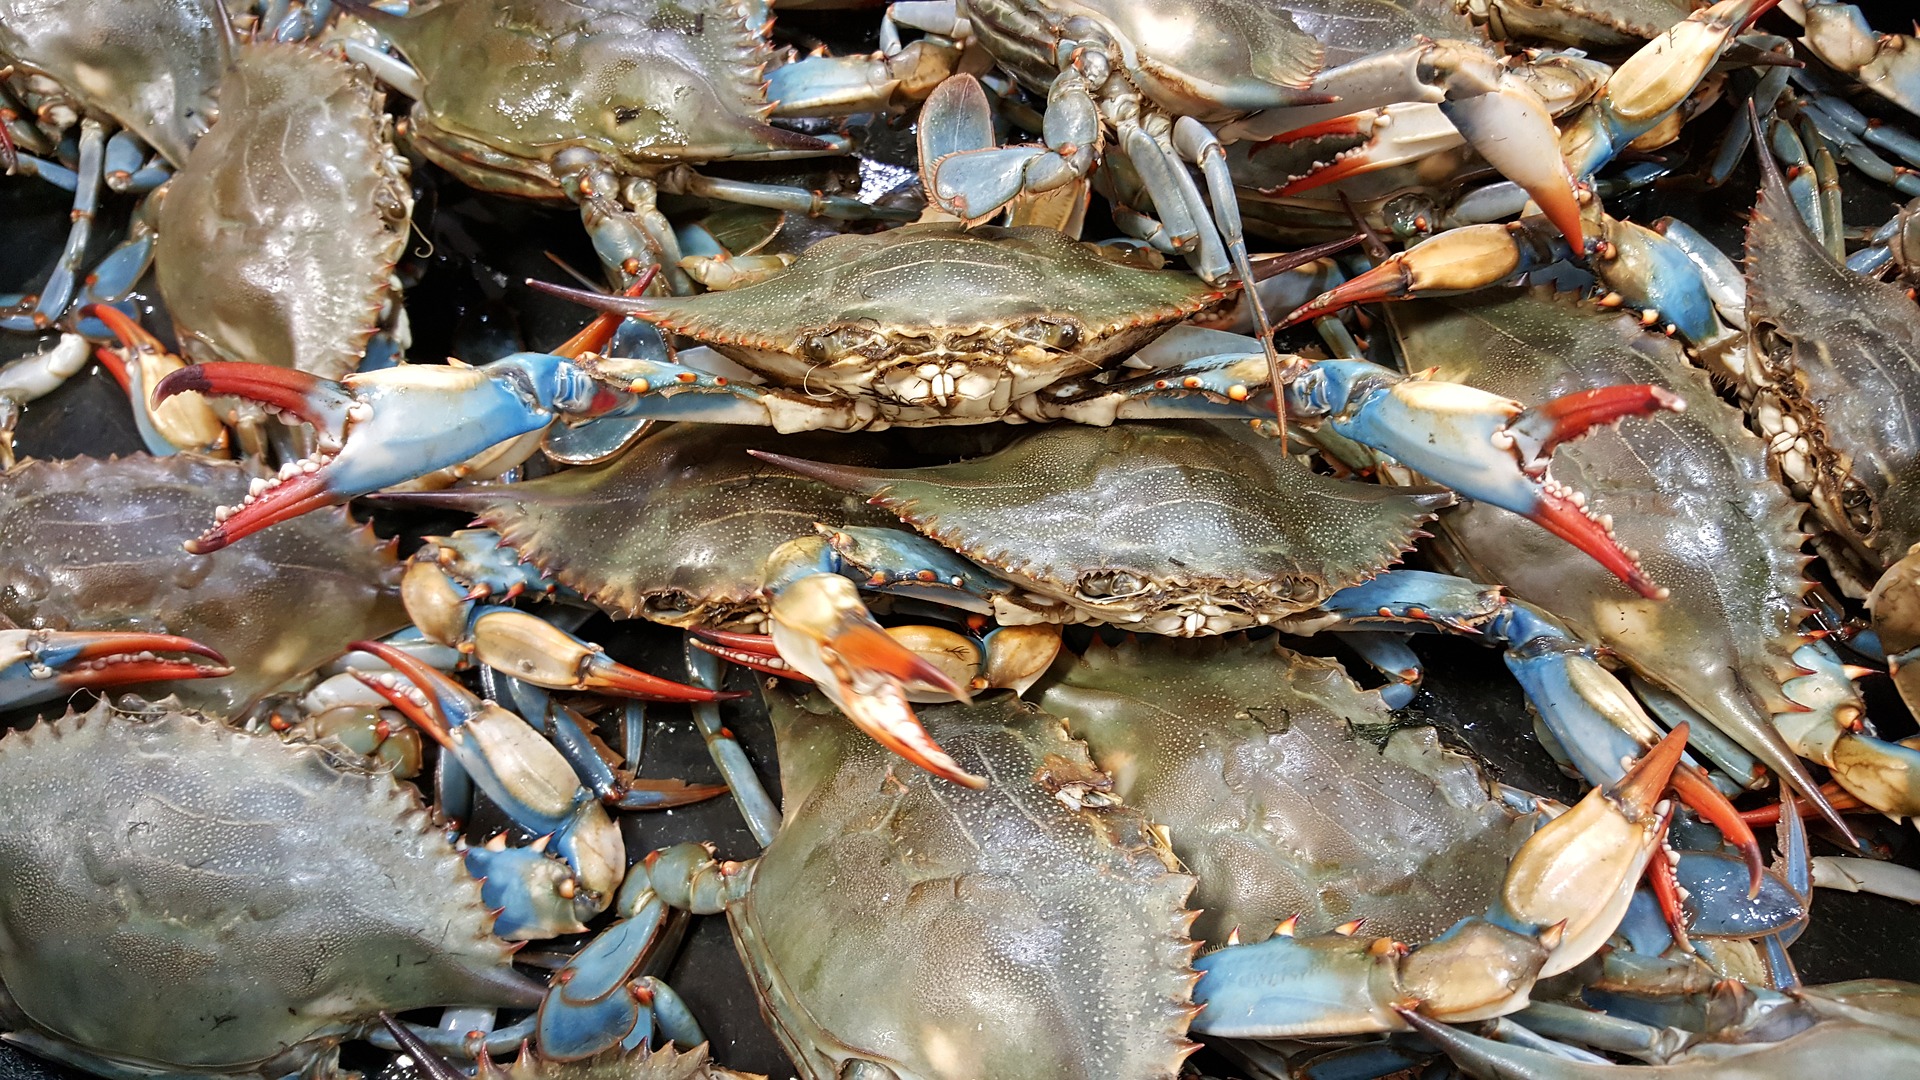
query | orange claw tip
[124, 327]
[289, 499]
[865, 645]
[1561, 516]
[735, 639]
[1694, 789]
[612, 677]
[1639, 791]
[115, 643]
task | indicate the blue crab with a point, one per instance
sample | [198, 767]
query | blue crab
[93, 546]
[150, 68]
[1010, 298]
[278, 237]
[602, 104]
[1044, 903]
[207, 913]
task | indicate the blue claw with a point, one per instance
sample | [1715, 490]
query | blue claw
[384, 427]
[1483, 446]
[45, 665]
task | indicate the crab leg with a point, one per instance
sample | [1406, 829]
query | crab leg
[523, 774]
[1823, 1049]
[756, 806]
[45, 665]
[1566, 890]
[40, 311]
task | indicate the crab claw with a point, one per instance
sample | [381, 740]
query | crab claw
[1651, 83]
[1481, 445]
[753, 651]
[508, 759]
[1580, 870]
[381, 428]
[821, 628]
[530, 648]
[188, 423]
[1458, 260]
[41, 665]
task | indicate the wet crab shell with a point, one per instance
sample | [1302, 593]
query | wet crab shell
[511, 84]
[151, 65]
[1190, 57]
[676, 530]
[665, 1063]
[1002, 313]
[95, 545]
[1187, 529]
[179, 895]
[278, 238]
[1689, 491]
[1834, 385]
[1034, 929]
[1247, 754]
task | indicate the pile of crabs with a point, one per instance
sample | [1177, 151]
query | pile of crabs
[1042, 426]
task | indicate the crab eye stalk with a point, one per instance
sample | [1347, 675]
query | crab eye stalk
[1058, 336]
[1101, 585]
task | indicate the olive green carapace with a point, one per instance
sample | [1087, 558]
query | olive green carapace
[1169, 510]
[95, 545]
[508, 84]
[1842, 360]
[918, 281]
[1245, 752]
[277, 240]
[678, 529]
[152, 65]
[1690, 491]
[182, 896]
[1030, 931]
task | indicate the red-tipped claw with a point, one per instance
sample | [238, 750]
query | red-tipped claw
[1539, 431]
[40, 665]
[530, 648]
[821, 628]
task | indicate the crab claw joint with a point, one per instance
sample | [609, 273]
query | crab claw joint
[823, 630]
[1484, 446]
[380, 428]
[518, 769]
[530, 648]
[1582, 867]
[40, 665]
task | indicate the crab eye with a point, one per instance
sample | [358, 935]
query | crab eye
[1110, 585]
[1058, 336]
[836, 344]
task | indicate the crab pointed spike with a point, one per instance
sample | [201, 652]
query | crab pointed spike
[1540, 430]
[426, 1057]
[1698, 792]
[320, 402]
[595, 335]
[845, 477]
[1639, 791]
[636, 306]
